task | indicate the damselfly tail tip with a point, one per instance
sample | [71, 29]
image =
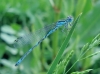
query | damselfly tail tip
[16, 64]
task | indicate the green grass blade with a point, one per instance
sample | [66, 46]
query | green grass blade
[82, 72]
[90, 55]
[61, 50]
[61, 67]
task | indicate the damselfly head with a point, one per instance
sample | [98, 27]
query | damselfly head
[69, 18]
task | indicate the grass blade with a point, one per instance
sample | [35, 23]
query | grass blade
[61, 50]
[82, 72]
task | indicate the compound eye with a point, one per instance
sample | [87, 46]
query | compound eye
[70, 18]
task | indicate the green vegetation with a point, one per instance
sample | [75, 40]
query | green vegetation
[74, 51]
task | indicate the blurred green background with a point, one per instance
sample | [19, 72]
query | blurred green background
[19, 17]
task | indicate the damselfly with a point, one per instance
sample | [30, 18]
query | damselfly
[28, 38]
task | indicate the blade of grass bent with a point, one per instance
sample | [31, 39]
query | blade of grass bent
[61, 50]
